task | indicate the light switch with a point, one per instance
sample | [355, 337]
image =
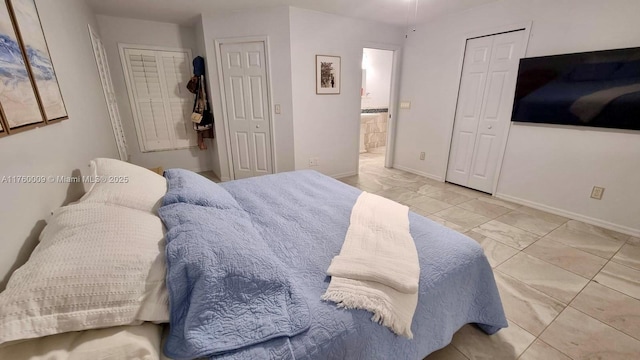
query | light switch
[278, 110]
[405, 104]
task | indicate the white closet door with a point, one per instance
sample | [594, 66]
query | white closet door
[484, 108]
[109, 94]
[245, 86]
[496, 110]
[470, 97]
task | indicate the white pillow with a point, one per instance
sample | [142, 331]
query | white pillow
[118, 182]
[97, 265]
[115, 343]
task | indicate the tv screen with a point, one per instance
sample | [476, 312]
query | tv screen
[600, 89]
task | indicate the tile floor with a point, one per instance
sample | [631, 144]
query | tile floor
[570, 290]
[210, 175]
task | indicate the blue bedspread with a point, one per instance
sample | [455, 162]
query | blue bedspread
[302, 218]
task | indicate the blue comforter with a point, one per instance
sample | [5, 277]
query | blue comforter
[269, 241]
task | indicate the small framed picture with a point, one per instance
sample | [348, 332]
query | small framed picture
[327, 75]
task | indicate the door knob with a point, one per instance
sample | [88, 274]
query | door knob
[489, 127]
[257, 126]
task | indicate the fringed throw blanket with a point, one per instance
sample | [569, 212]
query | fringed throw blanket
[377, 269]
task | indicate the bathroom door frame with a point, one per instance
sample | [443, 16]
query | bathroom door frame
[393, 103]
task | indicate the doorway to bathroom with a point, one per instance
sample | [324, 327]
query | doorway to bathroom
[376, 109]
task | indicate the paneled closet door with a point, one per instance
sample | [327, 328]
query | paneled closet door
[470, 97]
[484, 108]
[246, 94]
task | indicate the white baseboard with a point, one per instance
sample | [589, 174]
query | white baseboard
[416, 172]
[587, 219]
[344, 175]
[199, 170]
[225, 179]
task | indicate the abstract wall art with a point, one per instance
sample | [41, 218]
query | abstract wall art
[17, 97]
[38, 58]
[29, 91]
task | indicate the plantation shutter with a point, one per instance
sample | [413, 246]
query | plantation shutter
[159, 98]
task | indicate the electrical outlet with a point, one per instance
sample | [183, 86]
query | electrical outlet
[422, 155]
[405, 104]
[313, 161]
[278, 109]
[597, 192]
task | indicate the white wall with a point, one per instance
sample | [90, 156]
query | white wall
[545, 166]
[59, 149]
[379, 64]
[114, 30]
[328, 126]
[273, 23]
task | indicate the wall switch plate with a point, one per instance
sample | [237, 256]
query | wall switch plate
[597, 192]
[278, 109]
[422, 155]
[405, 104]
[313, 161]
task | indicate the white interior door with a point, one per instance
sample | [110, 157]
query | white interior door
[484, 107]
[245, 86]
[109, 94]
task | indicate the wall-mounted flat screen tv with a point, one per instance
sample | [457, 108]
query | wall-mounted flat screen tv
[600, 89]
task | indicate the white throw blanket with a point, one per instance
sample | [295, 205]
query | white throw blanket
[377, 269]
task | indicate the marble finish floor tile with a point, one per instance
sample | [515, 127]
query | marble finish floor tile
[403, 175]
[425, 188]
[400, 195]
[210, 175]
[507, 234]
[419, 186]
[577, 261]
[428, 204]
[621, 278]
[583, 337]
[586, 241]
[552, 218]
[464, 191]
[351, 180]
[536, 277]
[447, 353]
[450, 197]
[629, 255]
[528, 222]
[462, 217]
[596, 230]
[540, 350]
[496, 252]
[507, 343]
[419, 211]
[550, 279]
[529, 308]
[484, 208]
[495, 201]
[448, 224]
[611, 307]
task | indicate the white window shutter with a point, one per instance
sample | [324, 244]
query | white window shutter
[157, 88]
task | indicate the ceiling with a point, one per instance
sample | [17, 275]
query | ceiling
[185, 12]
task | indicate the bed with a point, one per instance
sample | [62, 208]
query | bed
[304, 216]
